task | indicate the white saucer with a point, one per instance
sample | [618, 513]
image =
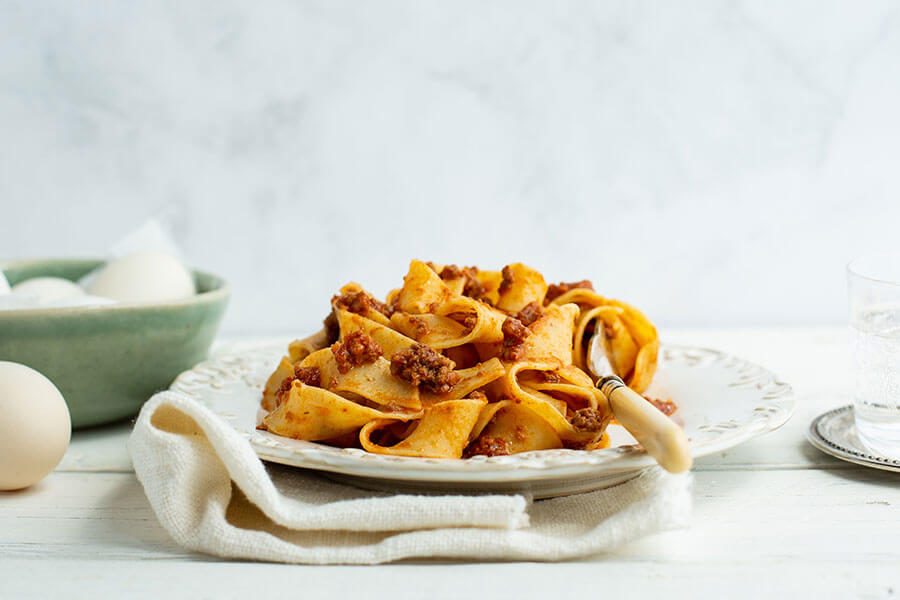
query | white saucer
[834, 433]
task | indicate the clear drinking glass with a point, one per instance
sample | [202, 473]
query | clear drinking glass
[874, 288]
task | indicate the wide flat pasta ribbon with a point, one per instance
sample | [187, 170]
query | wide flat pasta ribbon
[443, 431]
[551, 335]
[390, 340]
[521, 428]
[431, 313]
[422, 290]
[630, 340]
[519, 286]
[372, 381]
[470, 380]
[314, 414]
[553, 409]
[283, 371]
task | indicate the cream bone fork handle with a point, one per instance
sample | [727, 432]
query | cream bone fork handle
[658, 434]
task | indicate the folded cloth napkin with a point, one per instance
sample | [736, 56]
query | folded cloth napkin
[212, 494]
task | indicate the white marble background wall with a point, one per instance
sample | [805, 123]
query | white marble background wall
[716, 163]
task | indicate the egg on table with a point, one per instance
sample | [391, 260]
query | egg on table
[147, 276]
[48, 289]
[35, 427]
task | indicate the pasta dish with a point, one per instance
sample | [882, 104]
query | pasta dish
[460, 362]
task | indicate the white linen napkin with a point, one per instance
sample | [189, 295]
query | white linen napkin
[212, 494]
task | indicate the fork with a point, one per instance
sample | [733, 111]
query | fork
[661, 437]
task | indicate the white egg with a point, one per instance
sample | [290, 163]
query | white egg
[35, 427]
[143, 277]
[86, 300]
[4, 284]
[19, 302]
[48, 289]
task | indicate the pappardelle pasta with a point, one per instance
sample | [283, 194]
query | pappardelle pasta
[459, 362]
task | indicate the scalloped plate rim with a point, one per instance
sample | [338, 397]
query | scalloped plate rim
[537, 465]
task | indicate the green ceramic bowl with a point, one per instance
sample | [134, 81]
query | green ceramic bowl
[108, 360]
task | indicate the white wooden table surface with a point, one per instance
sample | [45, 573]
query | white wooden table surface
[772, 517]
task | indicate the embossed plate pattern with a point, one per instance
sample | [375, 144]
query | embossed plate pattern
[723, 401]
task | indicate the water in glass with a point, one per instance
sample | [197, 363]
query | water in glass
[877, 354]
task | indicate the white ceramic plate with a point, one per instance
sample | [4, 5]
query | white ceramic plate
[722, 401]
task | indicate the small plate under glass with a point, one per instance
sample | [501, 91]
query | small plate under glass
[834, 433]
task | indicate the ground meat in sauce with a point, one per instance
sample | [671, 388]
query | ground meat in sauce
[448, 272]
[422, 366]
[467, 320]
[588, 420]
[488, 446]
[555, 290]
[521, 434]
[358, 348]
[514, 334]
[507, 280]
[574, 445]
[477, 395]
[666, 407]
[530, 313]
[473, 288]
[306, 375]
[332, 329]
[420, 327]
[286, 385]
[394, 306]
[548, 377]
[358, 302]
